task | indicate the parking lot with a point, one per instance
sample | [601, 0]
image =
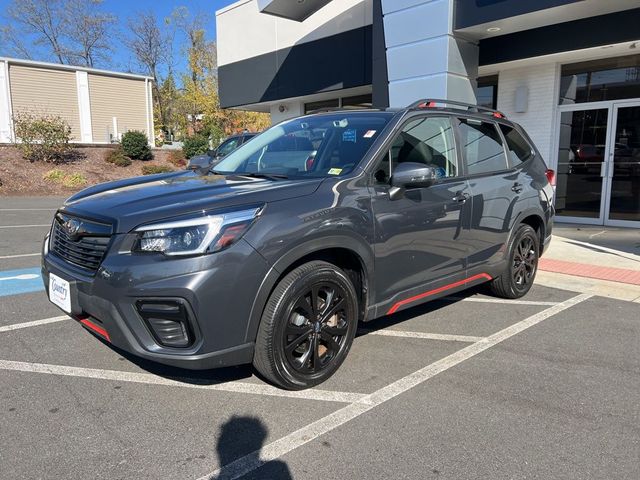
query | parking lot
[465, 387]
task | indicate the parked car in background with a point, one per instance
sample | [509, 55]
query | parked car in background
[276, 254]
[212, 157]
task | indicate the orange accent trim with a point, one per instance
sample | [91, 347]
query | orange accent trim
[99, 330]
[484, 276]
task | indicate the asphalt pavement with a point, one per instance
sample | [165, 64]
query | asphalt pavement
[465, 387]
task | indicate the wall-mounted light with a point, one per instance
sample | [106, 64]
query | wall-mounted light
[493, 29]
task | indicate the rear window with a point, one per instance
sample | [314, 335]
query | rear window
[481, 146]
[518, 148]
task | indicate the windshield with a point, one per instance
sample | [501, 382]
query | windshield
[314, 146]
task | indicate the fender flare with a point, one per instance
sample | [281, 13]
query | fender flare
[529, 212]
[288, 258]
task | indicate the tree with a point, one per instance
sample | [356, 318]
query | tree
[44, 20]
[65, 31]
[151, 47]
[88, 31]
[200, 101]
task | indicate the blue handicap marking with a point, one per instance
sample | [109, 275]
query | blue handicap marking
[14, 282]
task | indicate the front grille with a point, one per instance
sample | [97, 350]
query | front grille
[79, 241]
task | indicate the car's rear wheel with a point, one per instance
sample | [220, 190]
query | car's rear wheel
[307, 327]
[522, 264]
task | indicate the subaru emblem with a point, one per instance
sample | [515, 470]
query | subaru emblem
[72, 227]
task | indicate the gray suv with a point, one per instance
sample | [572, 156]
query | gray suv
[321, 222]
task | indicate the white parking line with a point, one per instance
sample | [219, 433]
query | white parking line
[20, 255]
[34, 323]
[500, 300]
[27, 209]
[25, 226]
[151, 379]
[286, 444]
[426, 336]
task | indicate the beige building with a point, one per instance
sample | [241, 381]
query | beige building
[98, 105]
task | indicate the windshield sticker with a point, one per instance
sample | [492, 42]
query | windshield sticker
[369, 134]
[349, 136]
[335, 171]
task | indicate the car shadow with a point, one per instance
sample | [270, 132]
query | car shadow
[241, 372]
[195, 377]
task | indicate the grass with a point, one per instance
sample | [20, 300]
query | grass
[69, 180]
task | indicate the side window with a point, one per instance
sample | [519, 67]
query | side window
[427, 140]
[482, 146]
[227, 147]
[518, 148]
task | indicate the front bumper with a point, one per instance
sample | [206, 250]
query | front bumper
[217, 291]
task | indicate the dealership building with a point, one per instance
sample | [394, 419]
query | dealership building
[567, 70]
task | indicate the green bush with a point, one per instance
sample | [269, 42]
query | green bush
[135, 145]
[153, 169]
[42, 138]
[117, 157]
[195, 145]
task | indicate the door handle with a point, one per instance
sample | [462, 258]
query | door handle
[517, 187]
[461, 197]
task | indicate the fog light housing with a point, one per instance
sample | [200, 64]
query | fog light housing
[168, 322]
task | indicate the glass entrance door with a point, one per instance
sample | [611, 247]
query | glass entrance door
[623, 169]
[581, 165]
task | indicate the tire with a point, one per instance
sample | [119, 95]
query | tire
[314, 308]
[522, 264]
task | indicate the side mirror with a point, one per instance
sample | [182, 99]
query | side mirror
[411, 175]
[199, 163]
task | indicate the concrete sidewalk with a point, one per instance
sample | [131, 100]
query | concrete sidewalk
[597, 260]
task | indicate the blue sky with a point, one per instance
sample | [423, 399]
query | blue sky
[125, 9]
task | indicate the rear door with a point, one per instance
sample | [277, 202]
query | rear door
[419, 238]
[495, 189]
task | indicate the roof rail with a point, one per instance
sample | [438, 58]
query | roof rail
[433, 103]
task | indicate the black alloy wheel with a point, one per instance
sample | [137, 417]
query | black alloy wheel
[522, 264]
[307, 327]
[317, 328]
[525, 262]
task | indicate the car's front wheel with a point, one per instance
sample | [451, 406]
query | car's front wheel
[522, 264]
[307, 327]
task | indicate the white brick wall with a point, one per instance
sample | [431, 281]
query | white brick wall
[540, 116]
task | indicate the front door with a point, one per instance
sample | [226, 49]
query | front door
[598, 171]
[419, 238]
[623, 167]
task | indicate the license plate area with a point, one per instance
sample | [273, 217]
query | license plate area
[60, 292]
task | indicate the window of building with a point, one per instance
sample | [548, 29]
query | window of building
[518, 148]
[359, 101]
[482, 146]
[322, 104]
[487, 92]
[598, 80]
[427, 140]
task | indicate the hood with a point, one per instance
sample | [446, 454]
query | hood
[134, 201]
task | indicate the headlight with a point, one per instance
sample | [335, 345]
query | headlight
[194, 236]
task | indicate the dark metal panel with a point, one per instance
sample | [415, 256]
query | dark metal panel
[380, 72]
[331, 63]
[562, 37]
[476, 12]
